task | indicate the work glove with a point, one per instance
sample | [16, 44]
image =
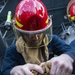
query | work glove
[61, 65]
[46, 66]
[26, 69]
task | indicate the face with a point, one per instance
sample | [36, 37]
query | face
[33, 40]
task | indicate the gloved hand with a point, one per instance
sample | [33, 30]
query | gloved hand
[61, 65]
[26, 69]
[46, 68]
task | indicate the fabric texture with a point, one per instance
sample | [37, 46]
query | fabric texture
[34, 55]
[29, 54]
[46, 67]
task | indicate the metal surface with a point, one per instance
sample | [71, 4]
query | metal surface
[68, 33]
[2, 4]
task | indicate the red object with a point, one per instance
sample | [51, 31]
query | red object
[31, 15]
[72, 10]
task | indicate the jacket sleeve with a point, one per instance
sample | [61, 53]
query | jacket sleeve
[10, 60]
[59, 46]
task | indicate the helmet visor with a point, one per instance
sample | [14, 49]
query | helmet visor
[36, 38]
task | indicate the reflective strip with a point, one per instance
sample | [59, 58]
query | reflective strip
[73, 18]
[47, 21]
[19, 24]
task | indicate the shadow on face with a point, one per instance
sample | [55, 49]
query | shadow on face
[33, 39]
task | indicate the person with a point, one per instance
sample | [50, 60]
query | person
[36, 44]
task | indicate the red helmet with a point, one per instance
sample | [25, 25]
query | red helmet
[71, 9]
[30, 16]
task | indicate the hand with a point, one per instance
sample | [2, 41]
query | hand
[26, 69]
[61, 65]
